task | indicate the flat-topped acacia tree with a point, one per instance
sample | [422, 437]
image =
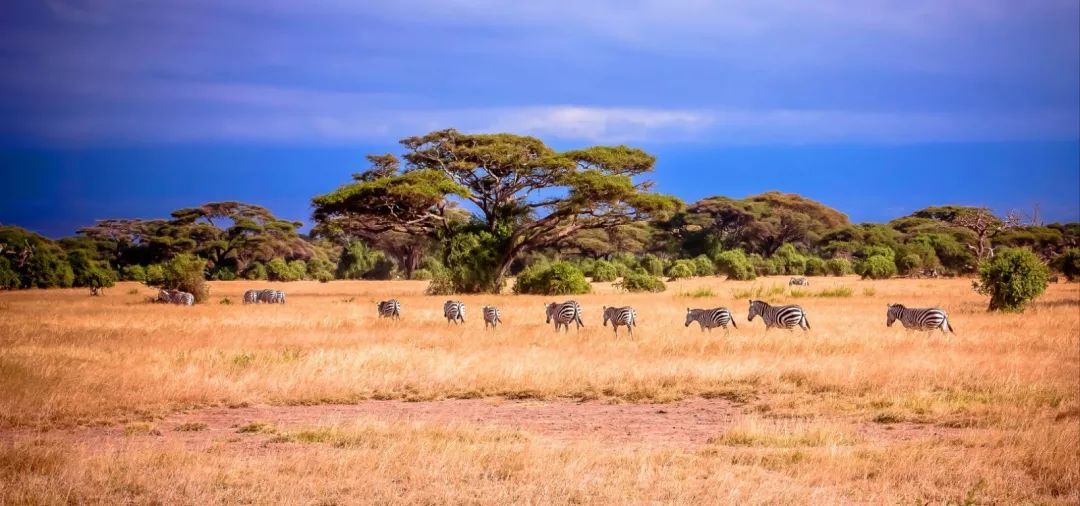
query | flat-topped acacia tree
[524, 194]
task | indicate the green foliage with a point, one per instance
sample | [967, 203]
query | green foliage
[838, 266]
[320, 268]
[704, 266]
[155, 275]
[1069, 263]
[421, 274]
[38, 262]
[876, 267]
[735, 265]
[641, 281]
[89, 272]
[185, 272]
[652, 264]
[840, 291]
[558, 278]
[359, 261]
[255, 271]
[470, 258]
[699, 293]
[815, 266]
[790, 260]
[681, 269]
[277, 269]
[134, 272]
[604, 271]
[909, 264]
[9, 279]
[1012, 279]
[225, 273]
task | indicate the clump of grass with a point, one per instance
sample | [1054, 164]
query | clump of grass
[133, 291]
[225, 301]
[840, 291]
[781, 435]
[869, 292]
[141, 429]
[191, 427]
[256, 428]
[795, 292]
[758, 292]
[349, 300]
[886, 417]
[699, 293]
[243, 359]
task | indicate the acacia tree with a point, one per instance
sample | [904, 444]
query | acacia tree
[986, 226]
[526, 195]
[252, 233]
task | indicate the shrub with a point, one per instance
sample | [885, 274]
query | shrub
[652, 264]
[9, 279]
[789, 260]
[815, 266]
[735, 265]
[699, 293]
[421, 275]
[155, 275]
[441, 283]
[838, 266]
[604, 271]
[1069, 263]
[323, 276]
[224, 274]
[298, 268]
[840, 291]
[641, 281]
[681, 269]
[1012, 279]
[134, 272]
[470, 260]
[255, 271]
[558, 278]
[89, 272]
[185, 272]
[877, 267]
[277, 269]
[704, 266]
[358, 261]
[909, 263]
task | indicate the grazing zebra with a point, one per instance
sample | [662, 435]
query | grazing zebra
[787, 317]
[389, 309]
[269, 296]
[454, 311]
[624, 316]
[176, 297]
[563, 314]
[926, 319]
[710, 318]
[800, 281]
[491, 316]
[251, 297]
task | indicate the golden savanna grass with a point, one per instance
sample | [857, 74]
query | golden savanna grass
[993, 410]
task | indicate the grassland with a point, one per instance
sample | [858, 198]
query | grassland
[101, 398]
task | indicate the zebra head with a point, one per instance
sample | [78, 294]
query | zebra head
[756, 308]
[893, 313]
[606, 316]
[690, 314]
[550, 310]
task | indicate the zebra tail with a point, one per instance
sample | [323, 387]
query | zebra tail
[806, 321]
[949, 324]
[733, 322]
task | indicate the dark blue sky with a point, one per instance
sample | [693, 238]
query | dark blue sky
[117, 109]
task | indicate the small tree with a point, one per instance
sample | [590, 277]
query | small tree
[877, 267]
[681, 269]
[641, 281]
[1012, 278]
[1069, 263]
[185, 272]
[558, 278]
[735, 265]
[838, 266]
[704, 266]
[604, 271]
[9, 279]
[815, 266]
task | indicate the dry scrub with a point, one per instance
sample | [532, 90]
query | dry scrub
[817, 408]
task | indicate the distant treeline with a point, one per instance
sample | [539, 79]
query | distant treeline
[547, 217]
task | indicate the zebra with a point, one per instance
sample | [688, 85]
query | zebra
[624, 316]
[787, 317]
[563, 314]
[799, 281]
[454, 311]
[710, 318]
[269, 296]
[251, 297]
[389, 309]
[175, 297]
[491, 316]
[926, 319]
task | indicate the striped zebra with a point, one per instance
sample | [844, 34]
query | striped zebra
[710, 318]
[624, 316]
[491, 316]
[799, 281]
[454, 311]
[787, 317]
[389, 309]
[175, 297]
[269, 296]
[563, 314]
[926, 319]
[251, 297]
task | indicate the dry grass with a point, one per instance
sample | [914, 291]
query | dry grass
[821, 407]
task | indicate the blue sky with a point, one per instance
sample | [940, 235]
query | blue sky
[113, 108]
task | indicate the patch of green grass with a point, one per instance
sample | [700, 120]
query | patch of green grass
[758, 292]
[869, 292]
[795, 292]
[225, 301]
[840, 291]
[141, 429]
[243, 359]
[256, 428]
[886, 417]
[699, 293]
[133, 291]
[191, 427]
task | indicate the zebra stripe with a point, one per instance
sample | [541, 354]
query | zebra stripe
[491, 316]
[710, 318]
[787, 317]
[251, 297]
[624, 316]
[454, 311]
[926, 319]
[800, 281]
[563, 314]
[389, 309]
[175, 297]
[269, 296]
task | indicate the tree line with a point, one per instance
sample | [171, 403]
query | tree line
[466, 211]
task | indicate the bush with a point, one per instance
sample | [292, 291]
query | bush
[155, 275]
[877, 267]
[704, 266]
[681, 269]
[641, 281]
[9, 279]
[604, 271]
[185, 272]
[470, 262]
[441, 283]
[815, 266]
[838, 266]
[909, 264]
[224, 274]
[652, 264]
[255, 271]
[90, 273]
[134, 272]
[789, 260]
[421, 275]
[277, 269]
[558, 278]
[1069, 263]
[358, 261]
[1012, 279]
[323, 276]
[735, 265]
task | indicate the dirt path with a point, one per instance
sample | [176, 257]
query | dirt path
[686, 423]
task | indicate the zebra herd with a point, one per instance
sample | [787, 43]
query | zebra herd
[563, 314]
[785, 317]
